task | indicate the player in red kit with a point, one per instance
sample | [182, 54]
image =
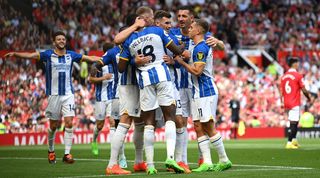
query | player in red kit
[291, 85]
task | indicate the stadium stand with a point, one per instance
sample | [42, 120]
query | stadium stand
[271, 25]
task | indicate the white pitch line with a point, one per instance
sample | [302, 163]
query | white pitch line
[160, 162]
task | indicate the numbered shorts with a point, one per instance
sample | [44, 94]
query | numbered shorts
[129, 100]
[185, 98]
[176, 95]
[60, 105]
[204, 109]
[294, 114]
[115, 109]
[153, 96]
[102, 109]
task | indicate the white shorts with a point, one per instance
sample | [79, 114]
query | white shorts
[115, 109]
[102, 109]
[129, 100]
[176, 95]
[204, 109]
[153, 96]
[294, 114]
[58, 105]
[185, 97]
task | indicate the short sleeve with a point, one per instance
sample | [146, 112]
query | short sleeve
[164, 36]
[301, 82]
[76, 57]
[45, 55]
[199, 54]
[107, 58]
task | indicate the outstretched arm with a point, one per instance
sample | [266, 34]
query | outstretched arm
[91, 59]
[34, 55]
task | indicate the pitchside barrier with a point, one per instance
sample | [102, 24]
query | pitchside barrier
[21, 139]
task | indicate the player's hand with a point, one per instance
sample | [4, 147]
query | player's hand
[178, 59]
[140, 22]
[186, 54]
[213, 42]
[167, 59]
[9, 54]
[107, 76]
[141, 59]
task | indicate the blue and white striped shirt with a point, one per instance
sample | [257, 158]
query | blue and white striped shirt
[59, 71]
[151, 41]
[203, 85]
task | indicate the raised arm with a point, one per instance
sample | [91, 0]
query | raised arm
[124, 34]
[33, 55]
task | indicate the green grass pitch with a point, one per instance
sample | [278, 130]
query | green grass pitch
[251, 158]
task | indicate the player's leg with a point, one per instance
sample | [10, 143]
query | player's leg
[139, 164]
[101, 109]
[53, 113]
[208, 105]
[202, 138]
[293, 117]
[129, 105]
[149, 103]
[185, 97]
[114, 122]
[165, 97]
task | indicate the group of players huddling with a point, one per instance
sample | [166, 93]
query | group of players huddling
[153, 66]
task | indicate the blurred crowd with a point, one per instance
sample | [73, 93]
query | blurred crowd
[23, 100]
[268, 24]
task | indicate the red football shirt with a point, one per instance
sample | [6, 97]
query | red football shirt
[291, 84]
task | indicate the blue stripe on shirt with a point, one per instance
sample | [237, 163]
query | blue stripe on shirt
[167, 71]
[48, 77]
[62, 83]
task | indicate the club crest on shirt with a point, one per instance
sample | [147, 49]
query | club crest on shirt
[200, 56]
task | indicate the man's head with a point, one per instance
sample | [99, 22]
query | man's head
[198, 27]
[185, 16]
[59, 39]
[163, 19]
[293, 62]
[147, 14]
[130, 19]
[106, 46]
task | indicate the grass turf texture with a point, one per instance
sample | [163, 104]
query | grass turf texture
[251, 158]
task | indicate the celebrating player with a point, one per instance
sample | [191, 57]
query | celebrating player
[205, 99]
[59, 89]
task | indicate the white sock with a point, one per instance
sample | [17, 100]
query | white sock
[170, 131]
[51, 137]
[138, 141]
[116, 142]
[121, 151]
[185, 146]
[95, 134]
[204, 146]
[149, 144]
[68, 136]
[216, 141]
[111, 132]
[179, 144]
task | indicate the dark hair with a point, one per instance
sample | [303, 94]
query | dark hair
[122, 28]
[189, 8]
[159, 14]
[57, 33]
[292, 60]
[203, 24]
[106, 46]
[143, 9]
[130, 19]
